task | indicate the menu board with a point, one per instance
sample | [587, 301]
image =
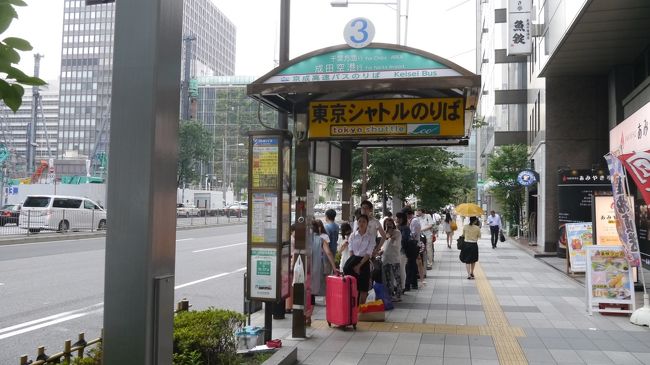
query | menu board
[609, 280]
[263, 273]
[265, 163]
[264, 218]
[579, 235]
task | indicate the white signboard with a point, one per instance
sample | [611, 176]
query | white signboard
[632, 134]
[609, 280]
[263, 273]
[519, 27]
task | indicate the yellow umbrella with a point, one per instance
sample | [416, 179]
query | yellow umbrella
[469, 210]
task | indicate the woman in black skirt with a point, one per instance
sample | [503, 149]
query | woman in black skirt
[469, 252]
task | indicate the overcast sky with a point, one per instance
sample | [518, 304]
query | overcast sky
[443, 27]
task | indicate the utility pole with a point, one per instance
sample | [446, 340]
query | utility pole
[31, 129]
[187, 68]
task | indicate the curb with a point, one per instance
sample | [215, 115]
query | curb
[284, 356]
[48, 237]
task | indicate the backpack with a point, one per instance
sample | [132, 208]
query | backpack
[412, 248]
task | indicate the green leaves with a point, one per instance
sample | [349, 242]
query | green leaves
[503, 168]
[7, 15]
[430, 173]
[12, 92]
[18, 43]
[195, 145]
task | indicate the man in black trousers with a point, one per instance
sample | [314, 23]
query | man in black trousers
[494, 221]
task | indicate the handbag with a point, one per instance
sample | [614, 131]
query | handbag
[502, 238]
[453, 225]
[460, 242]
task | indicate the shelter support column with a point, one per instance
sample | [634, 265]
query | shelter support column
[302, 185]
[346, 175]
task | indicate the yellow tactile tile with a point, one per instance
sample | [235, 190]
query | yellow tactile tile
[504, 336]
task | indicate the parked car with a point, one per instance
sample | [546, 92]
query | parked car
[187, 210]
[237, 209]
[9, 214]
[61, 213]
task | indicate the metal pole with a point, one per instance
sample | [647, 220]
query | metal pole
[31, 136]
[364, 179]
[187, 67]
[283, 118]
[398, 10]
[140, 256]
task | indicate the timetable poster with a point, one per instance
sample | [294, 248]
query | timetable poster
[265, 163]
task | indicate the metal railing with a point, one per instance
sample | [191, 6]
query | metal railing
[69, 349]
[73, 220]
[203, 217]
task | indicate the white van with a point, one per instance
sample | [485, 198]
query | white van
[61, 213]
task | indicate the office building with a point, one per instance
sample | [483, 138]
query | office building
[14, 129]
[228, 114]
[86, 67]
[586, 72]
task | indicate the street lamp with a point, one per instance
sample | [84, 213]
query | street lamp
[397, 4]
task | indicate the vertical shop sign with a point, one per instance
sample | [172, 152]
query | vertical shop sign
[624, 212]
[519, 27]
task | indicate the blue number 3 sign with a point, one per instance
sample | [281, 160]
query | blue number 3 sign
[359, 32]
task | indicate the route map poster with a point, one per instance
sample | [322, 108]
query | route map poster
[263, 273]
[265, 163]
[264, 218]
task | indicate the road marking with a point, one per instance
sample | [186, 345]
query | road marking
[48, 321]
[208, 278]
[219, 247]
[70, 315]
[184, 239]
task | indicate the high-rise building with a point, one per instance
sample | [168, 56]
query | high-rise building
[14, 129]
[228, 114]
[86, 67]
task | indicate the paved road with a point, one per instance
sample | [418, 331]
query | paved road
[51, 291]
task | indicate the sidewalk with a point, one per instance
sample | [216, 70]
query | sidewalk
[519, 310]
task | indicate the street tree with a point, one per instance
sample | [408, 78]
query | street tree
[12, 86]
[195, 145]
[503, 167]
[430, 173]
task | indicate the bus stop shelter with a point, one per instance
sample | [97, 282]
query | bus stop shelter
[382, 95]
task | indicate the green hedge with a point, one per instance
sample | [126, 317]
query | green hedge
[206, 337]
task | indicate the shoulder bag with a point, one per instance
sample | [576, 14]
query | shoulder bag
[460, 242]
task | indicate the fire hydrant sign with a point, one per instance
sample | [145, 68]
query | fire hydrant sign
[609, 280]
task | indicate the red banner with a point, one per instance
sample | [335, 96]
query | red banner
[638, 166]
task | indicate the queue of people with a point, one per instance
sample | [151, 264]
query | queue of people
[400, 248]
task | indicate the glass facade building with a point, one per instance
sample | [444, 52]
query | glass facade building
[86, 67]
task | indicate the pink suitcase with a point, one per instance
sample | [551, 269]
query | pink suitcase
[341, 301]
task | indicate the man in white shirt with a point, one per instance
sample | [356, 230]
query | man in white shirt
[374, 227]
[426, 223]
[494, 221]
